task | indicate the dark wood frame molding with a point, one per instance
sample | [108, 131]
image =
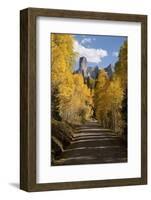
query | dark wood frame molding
[28, 98]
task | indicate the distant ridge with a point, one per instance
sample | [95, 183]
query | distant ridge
[90, 74]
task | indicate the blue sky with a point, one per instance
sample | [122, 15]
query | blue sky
[99, 49]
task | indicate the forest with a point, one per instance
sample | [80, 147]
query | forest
[74, 103]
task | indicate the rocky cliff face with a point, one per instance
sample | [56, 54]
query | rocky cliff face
[109, 70]
[91, 73]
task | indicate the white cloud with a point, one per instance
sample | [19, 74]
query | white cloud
[86, 41]
[92, 55]
[115, 53]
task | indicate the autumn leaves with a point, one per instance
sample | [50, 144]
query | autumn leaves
[71, 98]
[110, 96]
[73, 102]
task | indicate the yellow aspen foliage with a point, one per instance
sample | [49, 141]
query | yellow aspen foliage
[108, 97]
[116, 93]
[78, 108]
[100, 95]
[121, 73]
[83, 94]
[71, 98]
[121, 65]
[62, 57]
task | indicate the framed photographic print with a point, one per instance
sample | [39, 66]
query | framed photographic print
[83, 93]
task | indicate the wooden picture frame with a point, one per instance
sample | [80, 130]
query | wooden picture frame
[28, 98]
